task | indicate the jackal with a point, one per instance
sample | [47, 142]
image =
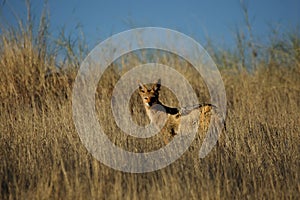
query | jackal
[169, 117]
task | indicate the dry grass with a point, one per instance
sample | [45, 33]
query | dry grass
[42, 156]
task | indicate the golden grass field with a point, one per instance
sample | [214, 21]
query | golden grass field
[42, 157]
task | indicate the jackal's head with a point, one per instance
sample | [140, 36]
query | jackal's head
[149, 96]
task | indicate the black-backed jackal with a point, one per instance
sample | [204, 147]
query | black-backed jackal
[169, 117]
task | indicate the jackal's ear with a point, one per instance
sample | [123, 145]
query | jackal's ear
[142, 87]
[156, 86]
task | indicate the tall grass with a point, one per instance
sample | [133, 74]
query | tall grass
[42, 156]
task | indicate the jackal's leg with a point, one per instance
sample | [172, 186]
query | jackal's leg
[166, 139]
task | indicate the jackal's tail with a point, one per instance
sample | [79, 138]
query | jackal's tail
[188, 109]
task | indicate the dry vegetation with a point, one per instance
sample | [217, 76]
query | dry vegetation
[42, 156]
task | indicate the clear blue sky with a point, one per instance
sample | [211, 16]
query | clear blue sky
[216, 19]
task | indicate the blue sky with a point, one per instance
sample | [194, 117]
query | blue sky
[216, 19]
